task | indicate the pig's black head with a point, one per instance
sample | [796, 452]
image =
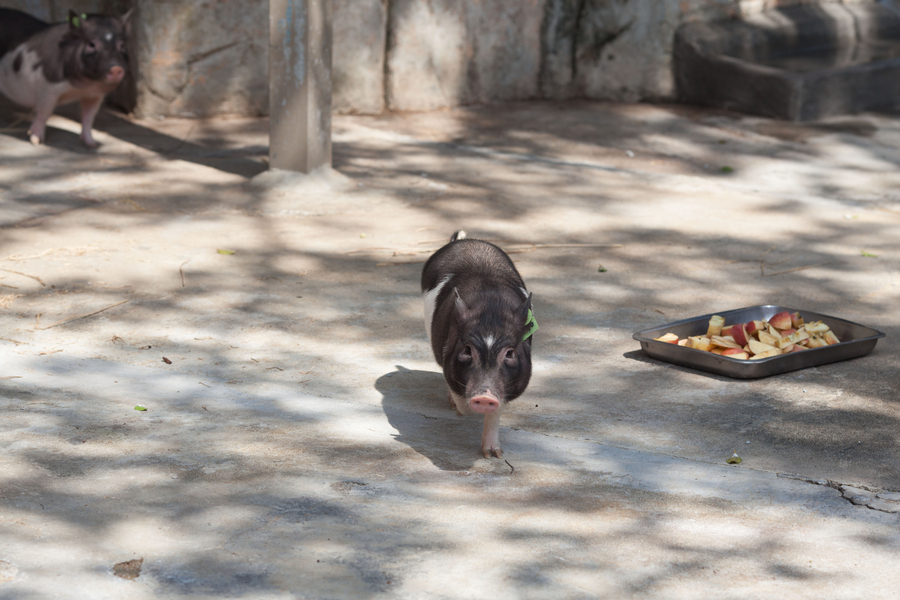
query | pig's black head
[94, 47]
[491, 348]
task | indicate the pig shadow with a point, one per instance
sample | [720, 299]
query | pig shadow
[415, 404]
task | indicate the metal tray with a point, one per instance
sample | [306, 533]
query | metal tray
[856, 340]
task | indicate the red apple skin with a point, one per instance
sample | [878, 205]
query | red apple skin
[740, 335]
[754, 326]
[735, 353]
[726, 330]
[797, 348]
[796, 320]
[781, 321]
[787, 332]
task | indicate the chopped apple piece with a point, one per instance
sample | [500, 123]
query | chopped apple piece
[726, 330]
[766, 354]
[724, 342]
[760, 347]
[781, 321]
[739, 333]
[817, 327]
[717, 350]
[669, 338]
[797, 348]
[753, 327]
[816, 341]
[698, 342]
[715, 326]
[767, 338]
[683, 342]
[773, 332]
[830, 338]
[737, 353]
[796, 320]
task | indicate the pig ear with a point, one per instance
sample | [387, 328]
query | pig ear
[126, 21]
[525, 307]
[75, 20]
[462, 311]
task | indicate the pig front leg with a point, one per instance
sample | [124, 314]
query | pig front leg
[490, 436]
[90, 106]
[42, 111]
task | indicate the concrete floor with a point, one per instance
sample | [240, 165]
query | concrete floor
[297, 441]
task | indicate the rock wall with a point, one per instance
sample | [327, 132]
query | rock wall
[210, 57]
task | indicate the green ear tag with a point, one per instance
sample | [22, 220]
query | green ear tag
[76, 22]
[532, 325]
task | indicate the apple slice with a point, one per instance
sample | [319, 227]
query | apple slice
[737, 353]
[830, 338]
[683, 342]
[715, 326]
[773, 332]
[816, 341]
[760, 347]
[754, 327]
[766, 354]
[817, 327]
[781, 321]
[698, 342]
[669, 338]
[726, 330]
[767, 338]
[796, 320]
[797, 348]
[739, 333]
[724, 342]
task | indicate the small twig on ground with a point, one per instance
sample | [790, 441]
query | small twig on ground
[181, 270]
[12, 377]
[38, 279]
[204, 385]
[511, 467]
[762, 268]
[13, 341]
[82, 316]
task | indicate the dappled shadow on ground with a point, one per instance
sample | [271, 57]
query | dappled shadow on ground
[280, 427]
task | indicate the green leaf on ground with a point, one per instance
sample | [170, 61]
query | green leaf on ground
[225, 251]
[867, 254]
[139, 407]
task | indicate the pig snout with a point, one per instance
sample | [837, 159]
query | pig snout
[484, 403]
[115, 74]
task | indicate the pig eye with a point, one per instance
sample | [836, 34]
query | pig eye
[91, 48]
[510, 355]
[466, 354]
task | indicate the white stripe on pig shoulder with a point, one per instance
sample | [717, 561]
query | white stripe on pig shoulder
[430, 301]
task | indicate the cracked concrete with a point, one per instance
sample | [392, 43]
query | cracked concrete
[296, 442]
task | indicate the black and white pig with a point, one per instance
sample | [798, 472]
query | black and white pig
[480, 324]
[43, 65]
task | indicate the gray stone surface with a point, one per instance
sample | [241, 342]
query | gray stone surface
[360, 39]
[204, 59]
[297, 441]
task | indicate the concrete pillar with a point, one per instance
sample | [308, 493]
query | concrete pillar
[299, 84]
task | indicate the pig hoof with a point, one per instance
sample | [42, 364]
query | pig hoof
[90, 143]
[34, 139]
[488, 452]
